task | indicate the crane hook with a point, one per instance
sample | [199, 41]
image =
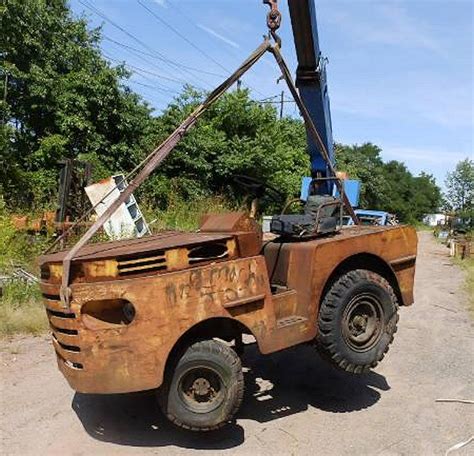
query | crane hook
[273, 19]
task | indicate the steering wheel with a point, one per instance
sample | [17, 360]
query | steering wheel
[258, 188]
[290, 203]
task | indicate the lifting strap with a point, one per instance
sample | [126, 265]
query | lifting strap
[150, 164]
[275, 50]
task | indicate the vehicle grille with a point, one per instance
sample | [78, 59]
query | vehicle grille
[154, 263]
[164, 260]
[65, 333]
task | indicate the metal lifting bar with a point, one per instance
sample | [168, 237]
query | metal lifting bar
[165, 148]
[152, 161]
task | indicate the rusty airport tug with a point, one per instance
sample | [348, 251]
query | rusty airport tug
[168, 312]
[162, 312]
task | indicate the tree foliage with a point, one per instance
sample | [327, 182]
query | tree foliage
[61, 99]
[389, 186]
[460, 188]
[236, 136]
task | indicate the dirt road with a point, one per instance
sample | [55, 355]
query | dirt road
[295, 403]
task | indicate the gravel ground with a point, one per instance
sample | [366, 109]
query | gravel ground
[295, 403]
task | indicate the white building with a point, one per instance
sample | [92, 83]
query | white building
[434, 219]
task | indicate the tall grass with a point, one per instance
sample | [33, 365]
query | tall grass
[185, 215]
[468, 266]
[21, 310]
[18, 248]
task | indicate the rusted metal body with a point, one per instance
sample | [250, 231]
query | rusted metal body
[177, 282]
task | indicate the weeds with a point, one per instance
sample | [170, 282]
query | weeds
[185, 215]
[21, 310]
[17, 248]
[468, 266]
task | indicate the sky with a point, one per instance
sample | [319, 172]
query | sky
[400, 72]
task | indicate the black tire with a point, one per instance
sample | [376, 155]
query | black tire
[357, 321]
[206, 388]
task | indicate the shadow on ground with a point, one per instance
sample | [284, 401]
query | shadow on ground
[276, 386]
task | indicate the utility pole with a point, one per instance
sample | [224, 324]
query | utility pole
[281, 104]
[239, 84]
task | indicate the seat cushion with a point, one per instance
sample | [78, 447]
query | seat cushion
[292, 225]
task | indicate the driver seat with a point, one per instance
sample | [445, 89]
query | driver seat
[322, 215]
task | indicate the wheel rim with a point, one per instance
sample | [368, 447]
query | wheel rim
[201, 389]
[362, 322]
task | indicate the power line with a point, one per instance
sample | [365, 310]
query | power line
[177, 32]
[147, 62]
[154, 87]
[119, 27]
[177, 66]
[181, 81]
[160, 102]
[155, 84]
[181, 12]
[136, 68]
[267, 99]
[135, 50]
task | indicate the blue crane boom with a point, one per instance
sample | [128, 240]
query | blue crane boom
[311, 80]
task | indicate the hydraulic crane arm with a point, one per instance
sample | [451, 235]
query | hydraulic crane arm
[311, 80]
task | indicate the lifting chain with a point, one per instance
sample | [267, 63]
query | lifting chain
[273, 19]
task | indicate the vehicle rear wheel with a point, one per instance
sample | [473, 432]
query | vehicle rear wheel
[206, 388]
[357, 321]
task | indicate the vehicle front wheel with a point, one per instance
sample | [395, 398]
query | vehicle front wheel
[206, 388]
[357, 321]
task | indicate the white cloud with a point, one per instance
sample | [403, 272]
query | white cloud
[424, 155]
[218, 36]
[161, 3]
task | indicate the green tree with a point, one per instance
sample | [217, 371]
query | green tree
[363, 162]
[460, 188]
[427, 197]
[61, 99]
[388, 186]
[236, 136]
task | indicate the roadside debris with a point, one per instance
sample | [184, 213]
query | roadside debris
[459, 445]
[18, 274]
[128, 219]
[22, 274]
[461, 401]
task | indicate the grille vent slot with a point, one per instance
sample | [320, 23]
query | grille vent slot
[158, 261]
[208, 252]
[68, 332]
[154, 263]
[71, 348]
[45, 273]
[57, 313]
[68, 363]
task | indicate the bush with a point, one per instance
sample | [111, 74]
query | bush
[17, 248]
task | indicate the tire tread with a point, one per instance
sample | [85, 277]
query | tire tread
[236, 388]
[327, 312]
